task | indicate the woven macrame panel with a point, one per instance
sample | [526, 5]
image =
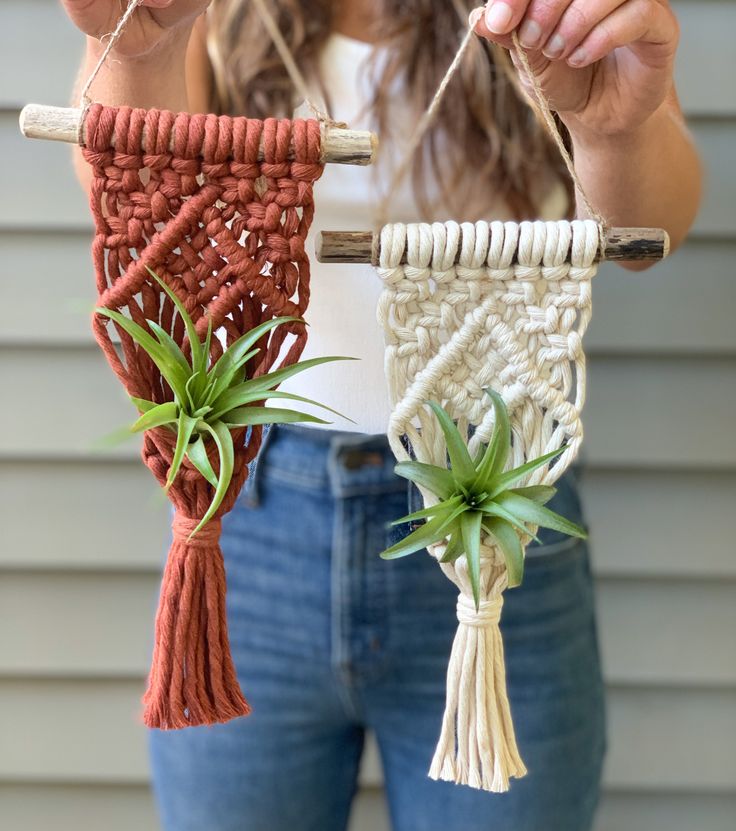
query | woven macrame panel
[501, 305]
[218, 208]
[466, 307]
[187, 196]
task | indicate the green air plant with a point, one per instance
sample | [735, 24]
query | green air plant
[476, 497]
[211, 398]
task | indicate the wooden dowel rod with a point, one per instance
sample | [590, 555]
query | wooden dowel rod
[364, 246]
[339, 146]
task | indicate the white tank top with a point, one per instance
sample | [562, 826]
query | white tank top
[342, 307]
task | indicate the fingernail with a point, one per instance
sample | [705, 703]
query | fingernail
[474, 16]
[530, 33]
[578, 57]
[498, 18]
[555, 47]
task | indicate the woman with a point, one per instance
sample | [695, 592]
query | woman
[328, 639]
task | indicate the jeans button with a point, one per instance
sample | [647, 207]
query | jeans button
[354, 459]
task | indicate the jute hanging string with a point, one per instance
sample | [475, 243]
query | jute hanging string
[467, 308]
[212, 210]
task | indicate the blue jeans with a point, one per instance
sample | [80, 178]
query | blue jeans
[330, 640]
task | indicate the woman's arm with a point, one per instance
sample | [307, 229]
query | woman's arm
[160, 60]
[606, 66]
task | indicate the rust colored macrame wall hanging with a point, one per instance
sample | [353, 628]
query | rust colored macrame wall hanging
[186, 196]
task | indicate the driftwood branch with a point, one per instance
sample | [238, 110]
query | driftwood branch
[620, 244]
[339, 146]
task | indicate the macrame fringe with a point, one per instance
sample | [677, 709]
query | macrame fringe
[192, 680]
[477, 745]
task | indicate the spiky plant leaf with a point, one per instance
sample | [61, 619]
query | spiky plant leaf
[236, 352]
[156, 416]
[460, 461]
[211, 398]
[476, 497]
[224, 441]
[510, 544]
[248, 416]
[195, 345]
[173, 374]
[539, 493]
[186, 425]
[470, 522]
[439, 480]
[445, 507]
[526, 510]
[230, 398]
[426, 534]
[498, 448]
[197, 455]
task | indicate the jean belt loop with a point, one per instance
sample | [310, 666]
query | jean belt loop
[251, 490]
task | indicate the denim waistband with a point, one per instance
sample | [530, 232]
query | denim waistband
[338, 462]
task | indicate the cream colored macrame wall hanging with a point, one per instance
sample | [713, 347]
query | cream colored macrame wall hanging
[474, 306]
[465, 307]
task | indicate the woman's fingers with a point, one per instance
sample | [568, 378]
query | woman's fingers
[540, 21]
[503, 17]
[648, 28]
[579, 32]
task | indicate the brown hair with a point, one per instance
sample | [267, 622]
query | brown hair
[484, 116]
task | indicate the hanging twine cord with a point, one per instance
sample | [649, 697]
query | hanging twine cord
[425, 122]
[544, 110]
[282, 47]
[112, 39]
[292, 69]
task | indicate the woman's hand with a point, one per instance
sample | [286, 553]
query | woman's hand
[151, 26]
[605, 65]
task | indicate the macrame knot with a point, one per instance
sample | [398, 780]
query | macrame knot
[487, 614]
[207, 536]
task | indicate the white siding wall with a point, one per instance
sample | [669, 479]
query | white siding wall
[76, 601]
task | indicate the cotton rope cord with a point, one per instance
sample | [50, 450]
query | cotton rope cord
[187, 196]
[476, 305]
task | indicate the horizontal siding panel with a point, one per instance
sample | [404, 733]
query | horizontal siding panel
[677, 307]
[86, 732]
[665, 633]
[644, 413]
[690, 512]
[41, 191]
[651, 524]
[666, 812]
[685, 304]
[100, 626]
[76, 501]
[59, 307]
[705, 52]
[40, 807]
[672, 739]
[23, 77]
[661, 413]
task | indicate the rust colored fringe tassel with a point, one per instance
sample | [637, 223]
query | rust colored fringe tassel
[188, 196]
[192, 678]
